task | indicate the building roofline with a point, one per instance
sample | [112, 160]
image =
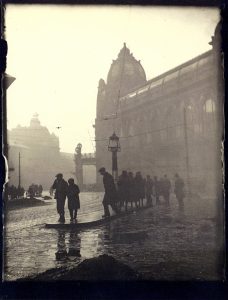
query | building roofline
[179, 67]
[189, 62]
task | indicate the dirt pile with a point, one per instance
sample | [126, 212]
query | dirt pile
[103, 267]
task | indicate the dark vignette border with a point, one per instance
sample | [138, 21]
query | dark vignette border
[119, 290]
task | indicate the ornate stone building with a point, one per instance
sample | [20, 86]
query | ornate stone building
[41, 158]
[167, 124]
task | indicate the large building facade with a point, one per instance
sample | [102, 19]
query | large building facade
[40, 156]
[166, 125]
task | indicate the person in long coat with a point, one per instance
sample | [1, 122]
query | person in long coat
[60, 187]
[131, 188]
[110, 196]
[149, 190]
[179, 191]
[123, 189]
[73, 199]
[139, 188]
[156, 190]
[166, 187]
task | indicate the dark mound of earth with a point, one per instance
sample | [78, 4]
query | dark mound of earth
[103, 267]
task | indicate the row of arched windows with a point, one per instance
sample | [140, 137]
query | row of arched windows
[168, 125]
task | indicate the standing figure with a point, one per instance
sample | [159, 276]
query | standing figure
[73, 199]
[110, 195]
[60, 186]
[31, 191]
[166, 186]
[40, 189]
[139, 189]
[179, 191]
[131, 186]
[143, 190]
[156, 190]
[149, 190]
[123, 190]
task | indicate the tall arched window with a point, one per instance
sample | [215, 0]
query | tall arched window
[209, 116]
[209, 106]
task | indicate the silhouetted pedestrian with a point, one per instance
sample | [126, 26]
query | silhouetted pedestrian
[139, 189]
[123, 189]
[40, 190]
[149, 190]
[60, 186]
[156, 190]
[131, 190]
[166, 186]
[31, 191]
[110, 196]
[73, 199]
[179, 191]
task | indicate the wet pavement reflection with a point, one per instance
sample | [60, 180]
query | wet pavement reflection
[74, 246]
[162, 243]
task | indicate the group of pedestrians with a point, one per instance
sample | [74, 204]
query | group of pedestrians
[34, 190]
[130, 188]
[134, 189]
[15, 192]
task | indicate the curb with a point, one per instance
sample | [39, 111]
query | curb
[91, 223]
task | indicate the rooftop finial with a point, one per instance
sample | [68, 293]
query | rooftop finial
[35, 115]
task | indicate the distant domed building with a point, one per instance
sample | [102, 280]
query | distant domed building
[125, 74]
[41, 158]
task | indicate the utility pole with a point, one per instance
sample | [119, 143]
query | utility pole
[187, 150]
[19, 171]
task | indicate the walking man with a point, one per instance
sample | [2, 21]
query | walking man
[123, 189]
[149, 189]
[110, 195]
[166, 186]
[179, 191]
[60, 187]
[131, 188]
[156, 190]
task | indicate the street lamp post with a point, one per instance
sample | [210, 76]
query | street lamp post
[187, 150]
[114, 147]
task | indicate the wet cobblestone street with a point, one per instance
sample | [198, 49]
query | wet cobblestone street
[161, 243]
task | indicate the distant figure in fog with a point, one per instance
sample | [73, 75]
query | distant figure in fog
[149, 190]
[60, 186]
[179, 191]
[156, 190]
[40, 190]
[131, 185]
[110, 196]
[139, 189]
[73, 199]
[123, 189]
[166, 186]
[31, 191]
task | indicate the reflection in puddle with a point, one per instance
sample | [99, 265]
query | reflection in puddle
[90, 242]
[74, 245]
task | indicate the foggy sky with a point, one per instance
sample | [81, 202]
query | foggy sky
[58, 55]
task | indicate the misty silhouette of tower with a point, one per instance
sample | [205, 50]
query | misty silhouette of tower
[125, 74]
